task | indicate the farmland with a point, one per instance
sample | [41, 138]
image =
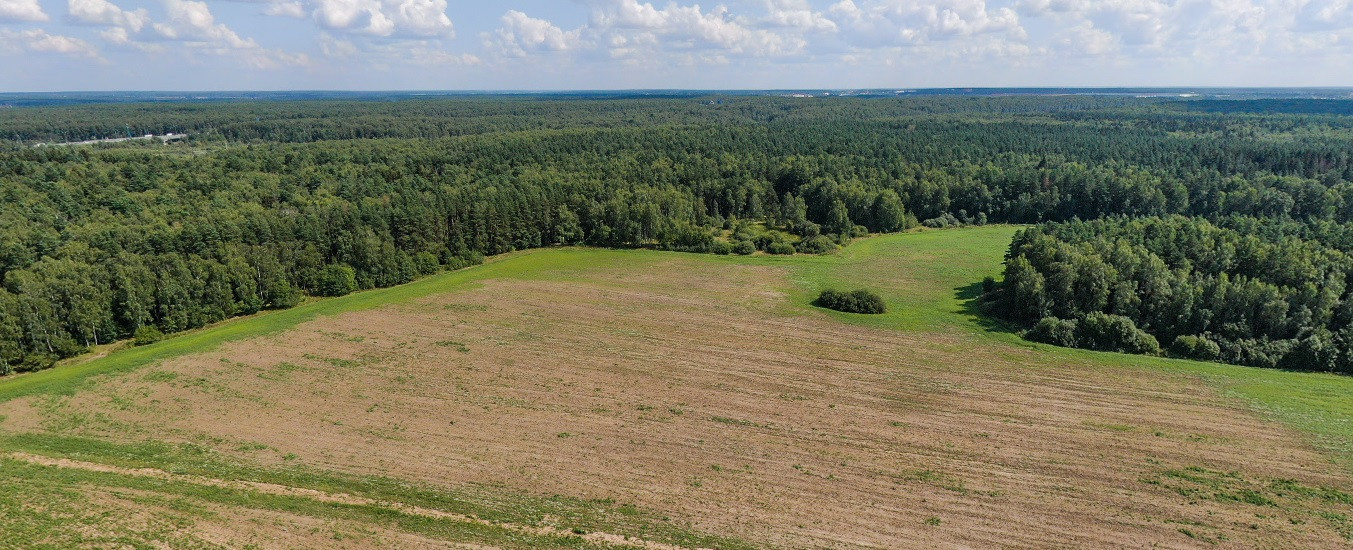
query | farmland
[579, 397]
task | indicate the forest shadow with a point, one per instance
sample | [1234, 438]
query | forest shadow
[970, 300]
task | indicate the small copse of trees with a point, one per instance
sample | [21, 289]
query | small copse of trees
[856, 301]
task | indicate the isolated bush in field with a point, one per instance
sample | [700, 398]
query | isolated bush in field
[147, 335]
[1051, 330]
[857, 301]
[780, 248]
[1196, 347]
[337, 280]
[1104, 332]
[744, 248]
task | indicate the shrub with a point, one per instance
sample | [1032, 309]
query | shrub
[1315, 352]
[780, 248]
[337, 280]
[35, 362]
[943, 221]
[1104, 332]
[1051, 330]
[147, 335]
[858, 301]
[817, 245]
[721, 248]
[744, 248]
[464, 260]
[1196, 347]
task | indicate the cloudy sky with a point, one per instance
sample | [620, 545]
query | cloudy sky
[50, 45]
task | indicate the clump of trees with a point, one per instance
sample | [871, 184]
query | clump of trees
[855, 301]
[1273, 295]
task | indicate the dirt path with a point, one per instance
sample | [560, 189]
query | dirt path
[335, 498]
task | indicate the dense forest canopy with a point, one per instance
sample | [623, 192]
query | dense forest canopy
[266, 202]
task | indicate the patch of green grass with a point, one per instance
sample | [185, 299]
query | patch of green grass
[492, 503]
[450, 344]
[736, 422]
[38, 510]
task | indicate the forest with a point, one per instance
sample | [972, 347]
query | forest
[1215, 230]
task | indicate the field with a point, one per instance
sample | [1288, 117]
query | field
[589, 398]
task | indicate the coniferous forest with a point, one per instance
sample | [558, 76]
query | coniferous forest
[1215, 230]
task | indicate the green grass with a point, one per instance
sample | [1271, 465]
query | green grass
[495, 504]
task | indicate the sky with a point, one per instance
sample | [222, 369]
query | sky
[72, 45]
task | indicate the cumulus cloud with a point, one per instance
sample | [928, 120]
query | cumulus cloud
[521, 33]
[103, 12]
[689, 27]
[22, 10]
[40, 41]
[797, 14]
[192, 21]
[903, 22]
[1084, 38]
[383, 18]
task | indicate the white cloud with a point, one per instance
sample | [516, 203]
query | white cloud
[22, 10]
[103, 12]
[1086, 39]
[286, 9]
[905, 22]
[193, 22]
[797, 14]
[522, 33]
[40, 41]
[385, 18]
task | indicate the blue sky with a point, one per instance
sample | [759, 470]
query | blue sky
[51, 45]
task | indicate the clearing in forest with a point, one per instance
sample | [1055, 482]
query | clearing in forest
[580, 397]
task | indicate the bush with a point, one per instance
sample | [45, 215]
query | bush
[744, 248]
[337, 280]
[817, 245]
[147, 335]
[1051, 330]
[780, 248]
[464, 260]
[1315, 352]
[35, 362]
[858, 301]
[943, 221]
[1255, 353]
[1196, 347]
[1104, 332]
[721, 248]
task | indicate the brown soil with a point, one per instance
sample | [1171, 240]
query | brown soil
[685, 392]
